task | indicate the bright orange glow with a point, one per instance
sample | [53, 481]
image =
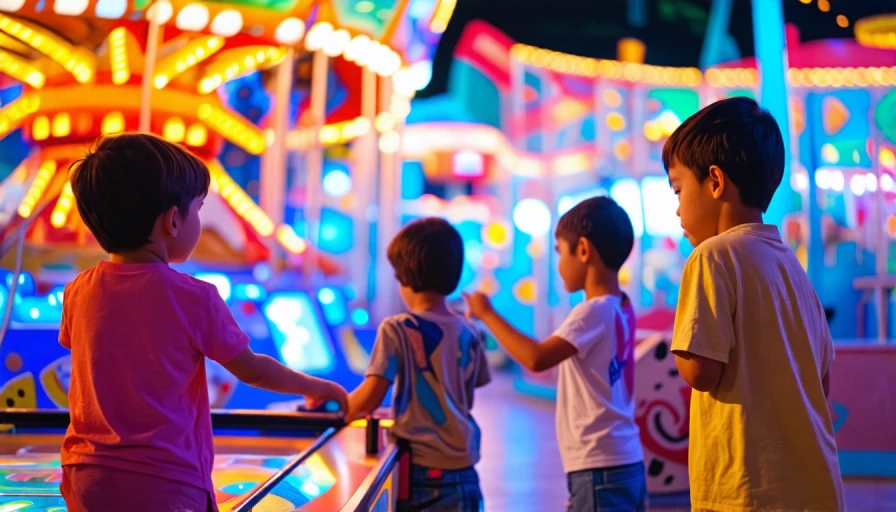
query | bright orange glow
[64, 204]
[192, 53]
[79, 63]
[38, 187]
[13, 114]
[174, 129]
[62, 124]
[241, 203]
[113, 123]
[21, 70]
[40, 128]
[118, 56]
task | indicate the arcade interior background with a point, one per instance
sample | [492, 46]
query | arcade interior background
[327, 125]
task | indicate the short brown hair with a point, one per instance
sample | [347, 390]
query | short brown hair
[428, 256]
[126, 181]
[739, 137]
[604, 223]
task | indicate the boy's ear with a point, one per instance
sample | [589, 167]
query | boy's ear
[718, 181]
[583, 249]
[170, 221]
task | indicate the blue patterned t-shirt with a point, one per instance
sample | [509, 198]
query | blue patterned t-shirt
[435, 361]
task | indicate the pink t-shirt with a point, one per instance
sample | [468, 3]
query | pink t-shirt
[139, 335]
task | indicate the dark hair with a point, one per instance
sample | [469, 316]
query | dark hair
[739, 137]
[126, 181]
[428, 256]
[603, 223]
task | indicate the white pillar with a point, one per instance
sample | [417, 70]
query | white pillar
[386, 299]
[149, 70]
[272, 179]
[315, 160]
[364, 154]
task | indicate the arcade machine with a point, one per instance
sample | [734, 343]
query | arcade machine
[263, 461]
[163, 67]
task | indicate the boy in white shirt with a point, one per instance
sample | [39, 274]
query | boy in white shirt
[750, 335]
[594, 349]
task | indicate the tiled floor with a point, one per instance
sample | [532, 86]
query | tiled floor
[521, 471]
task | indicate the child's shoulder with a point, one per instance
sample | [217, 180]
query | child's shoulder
[427, 325]
[594, 309]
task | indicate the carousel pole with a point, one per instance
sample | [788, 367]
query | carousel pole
[273, 160]
[315, 160]
[157, 14]
[363, 185]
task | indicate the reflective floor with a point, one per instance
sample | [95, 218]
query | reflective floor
[521, 471]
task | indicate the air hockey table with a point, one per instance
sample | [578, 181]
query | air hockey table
[264, 462]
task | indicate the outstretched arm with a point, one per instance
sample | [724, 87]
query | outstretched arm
[528, 352]
[265, 372]
[367, 397]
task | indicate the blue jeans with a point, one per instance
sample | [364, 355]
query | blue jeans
[616, 489]
[443, 490]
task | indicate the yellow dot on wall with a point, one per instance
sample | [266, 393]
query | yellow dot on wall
[615, 121]
[524, 291]
[496, 234]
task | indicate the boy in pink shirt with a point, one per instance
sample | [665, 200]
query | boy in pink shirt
[140, 436]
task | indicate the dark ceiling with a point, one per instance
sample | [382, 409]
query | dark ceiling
[673, 33]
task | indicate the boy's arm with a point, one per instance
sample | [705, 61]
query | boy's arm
[367, 397]
[701, 373]
[219, 338]
[704, 329]
[265, 372]
[826, 384]
[381, 373]
[531, 354]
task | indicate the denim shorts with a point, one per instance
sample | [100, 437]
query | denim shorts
[443, 490]
[616, 489]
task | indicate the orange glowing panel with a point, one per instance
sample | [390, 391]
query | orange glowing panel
[835, 114]
[891, 226]
[622, 150]
[798, 114]
[567, 110]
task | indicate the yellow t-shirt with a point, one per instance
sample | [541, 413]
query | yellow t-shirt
[763, 440]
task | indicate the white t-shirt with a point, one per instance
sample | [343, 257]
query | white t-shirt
[595, 408]
[762, 440]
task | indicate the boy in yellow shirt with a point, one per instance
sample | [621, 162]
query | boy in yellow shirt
[750, 334]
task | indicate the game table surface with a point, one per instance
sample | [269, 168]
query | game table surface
[30, 471]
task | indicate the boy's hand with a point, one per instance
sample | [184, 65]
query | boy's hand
[478, 305]
[328, 391]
